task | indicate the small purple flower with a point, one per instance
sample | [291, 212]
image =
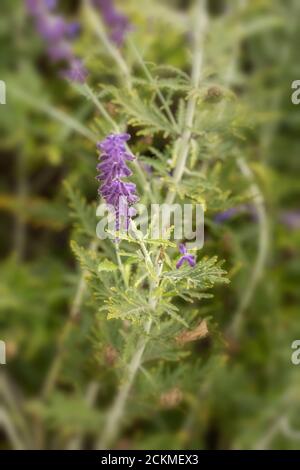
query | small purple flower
[76, 71]
[186, 258]
[118, 194]
[117, 23]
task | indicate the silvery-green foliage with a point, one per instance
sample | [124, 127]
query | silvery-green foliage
[74, 317]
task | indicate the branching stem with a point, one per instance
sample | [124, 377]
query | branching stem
[99, 30]
[153, 82]
[116, 412]
[184, 141]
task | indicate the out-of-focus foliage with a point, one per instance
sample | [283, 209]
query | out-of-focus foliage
[71, 330]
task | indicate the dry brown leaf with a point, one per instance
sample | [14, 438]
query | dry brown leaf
[110, 355]
[193, 335]
[171, 398]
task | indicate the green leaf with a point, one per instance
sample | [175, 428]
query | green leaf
[107, 265]
[205, 274]
[83, 213]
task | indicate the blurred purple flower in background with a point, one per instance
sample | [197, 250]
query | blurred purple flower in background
[36, 7]
[186, 258]
[147, 168]
[61, 51]
[73, 29]
[76, 71]
[58, 34]
[52, 28]
[117, 23]
[118, 194]
[222, 217]
[291, 218]
[226, 215]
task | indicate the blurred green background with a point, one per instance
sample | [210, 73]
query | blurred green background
[246, 394]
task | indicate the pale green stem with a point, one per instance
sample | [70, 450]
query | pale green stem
[153, 82]
[7, 425]
[11, 398]
[22, 194]
[259, 204]
[262, 253]
[121, 266]
[90, 399]
[71, 123]
[258, 201]
[184, 141]
[288, 431]
[100, 106]
[143, 181]
[140, 280]
[95, 22]
[54, 113]
[141, 243]
[116, 413]
[265, 441]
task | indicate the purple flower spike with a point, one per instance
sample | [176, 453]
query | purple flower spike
[58, 35]
[190, 259]
[118, 194]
